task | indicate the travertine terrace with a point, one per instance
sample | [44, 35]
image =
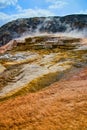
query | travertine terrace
[43, 83]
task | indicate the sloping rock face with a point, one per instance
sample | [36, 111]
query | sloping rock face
[43, 85]
[38, 62]
[55, 24]
[63, 106]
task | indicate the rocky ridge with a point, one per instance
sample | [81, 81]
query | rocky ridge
[54, 24]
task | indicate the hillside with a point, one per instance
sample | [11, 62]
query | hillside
[36, 25]
[43, 76]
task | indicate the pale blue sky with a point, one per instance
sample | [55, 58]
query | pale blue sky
[14, 9]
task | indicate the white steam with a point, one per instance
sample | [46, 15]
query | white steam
[47, 22]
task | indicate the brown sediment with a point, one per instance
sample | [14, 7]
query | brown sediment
[53, 95]
[61, 106]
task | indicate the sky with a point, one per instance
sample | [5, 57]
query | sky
[14, 9]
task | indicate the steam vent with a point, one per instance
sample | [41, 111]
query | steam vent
[43, 73]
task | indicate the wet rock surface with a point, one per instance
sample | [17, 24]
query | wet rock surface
[38, 58]
[43, 85]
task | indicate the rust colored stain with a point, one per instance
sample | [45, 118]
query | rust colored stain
[62, 106]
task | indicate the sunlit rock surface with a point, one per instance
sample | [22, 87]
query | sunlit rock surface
[43, 83]
[36, 58]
